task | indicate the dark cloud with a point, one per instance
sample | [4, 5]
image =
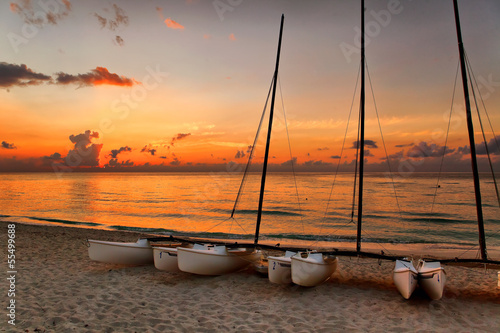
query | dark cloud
[117, 19]
[324, 148]
[84, 153]
[119, 40]
[335, 157]
[492, 147]
[113, 163]
[114, 152]
[175, 162]
[97, 76]
[178, 137]
[55, 157]
[148, 149]
[404, 145]
[368, 144]
[239, 154]
[396, 156]
[313, 163]
[20, 75]
[47, 12]
[423, 149]
[293, 161]
[6, 145]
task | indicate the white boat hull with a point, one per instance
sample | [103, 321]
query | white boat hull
[312, 269]
[432, 278]
[405, 278]
[165, 259]
[138, 253]
[280, 268]
[214, 260]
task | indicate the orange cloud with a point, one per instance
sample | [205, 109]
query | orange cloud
[231, 37]
[97, 76]
[173, 25]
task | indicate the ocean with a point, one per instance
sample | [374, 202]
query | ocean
[304, 208]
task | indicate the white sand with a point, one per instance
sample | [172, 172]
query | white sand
[60, 290]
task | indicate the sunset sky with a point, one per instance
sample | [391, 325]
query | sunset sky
[180, 85]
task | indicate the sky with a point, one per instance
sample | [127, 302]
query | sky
[181, 85]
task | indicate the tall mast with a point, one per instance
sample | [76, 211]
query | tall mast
[361, 143]
[269, 130]
[479, 208]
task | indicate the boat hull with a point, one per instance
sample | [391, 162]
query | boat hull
[405, 278]
[214, 260]
[165, 259]
[432, 278]
[138, 253]
[312, 269]
[280, 268]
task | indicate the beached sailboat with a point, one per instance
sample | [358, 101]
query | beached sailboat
[432, 278]
[310, 269]
[165, 257]
[218, 259]
[138, 253]
[405, 277]
[280, 268]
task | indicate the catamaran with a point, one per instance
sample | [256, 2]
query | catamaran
[138, 253]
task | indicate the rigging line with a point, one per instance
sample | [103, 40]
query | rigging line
[378, 243]
[356, 167]
[482, 129]
[485, 111]
[229, 218]
[445, 143]
[343, 145]
[383, 143]
[338, 165]
[245, 174]
[291, 157]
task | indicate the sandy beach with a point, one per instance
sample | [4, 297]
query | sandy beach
[59, 289]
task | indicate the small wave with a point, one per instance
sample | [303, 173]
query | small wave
[438, 220]
[90, 224]
[267, 212]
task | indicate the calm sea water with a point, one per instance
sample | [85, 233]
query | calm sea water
[200, 204]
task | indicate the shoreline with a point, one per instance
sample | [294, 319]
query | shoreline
[405, 249]
[59, 289]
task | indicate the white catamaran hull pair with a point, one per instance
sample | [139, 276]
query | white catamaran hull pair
[200, 259]
[302, 268]
[430, 275]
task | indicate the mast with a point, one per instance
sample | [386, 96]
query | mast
[477, 190]
[361, 143]
[266, 156]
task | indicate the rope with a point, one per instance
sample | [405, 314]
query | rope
[291, 158]
[243, 180]
[383, 143]
[445, 143]
[338, 165]
[343, 145]
[471, 73]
